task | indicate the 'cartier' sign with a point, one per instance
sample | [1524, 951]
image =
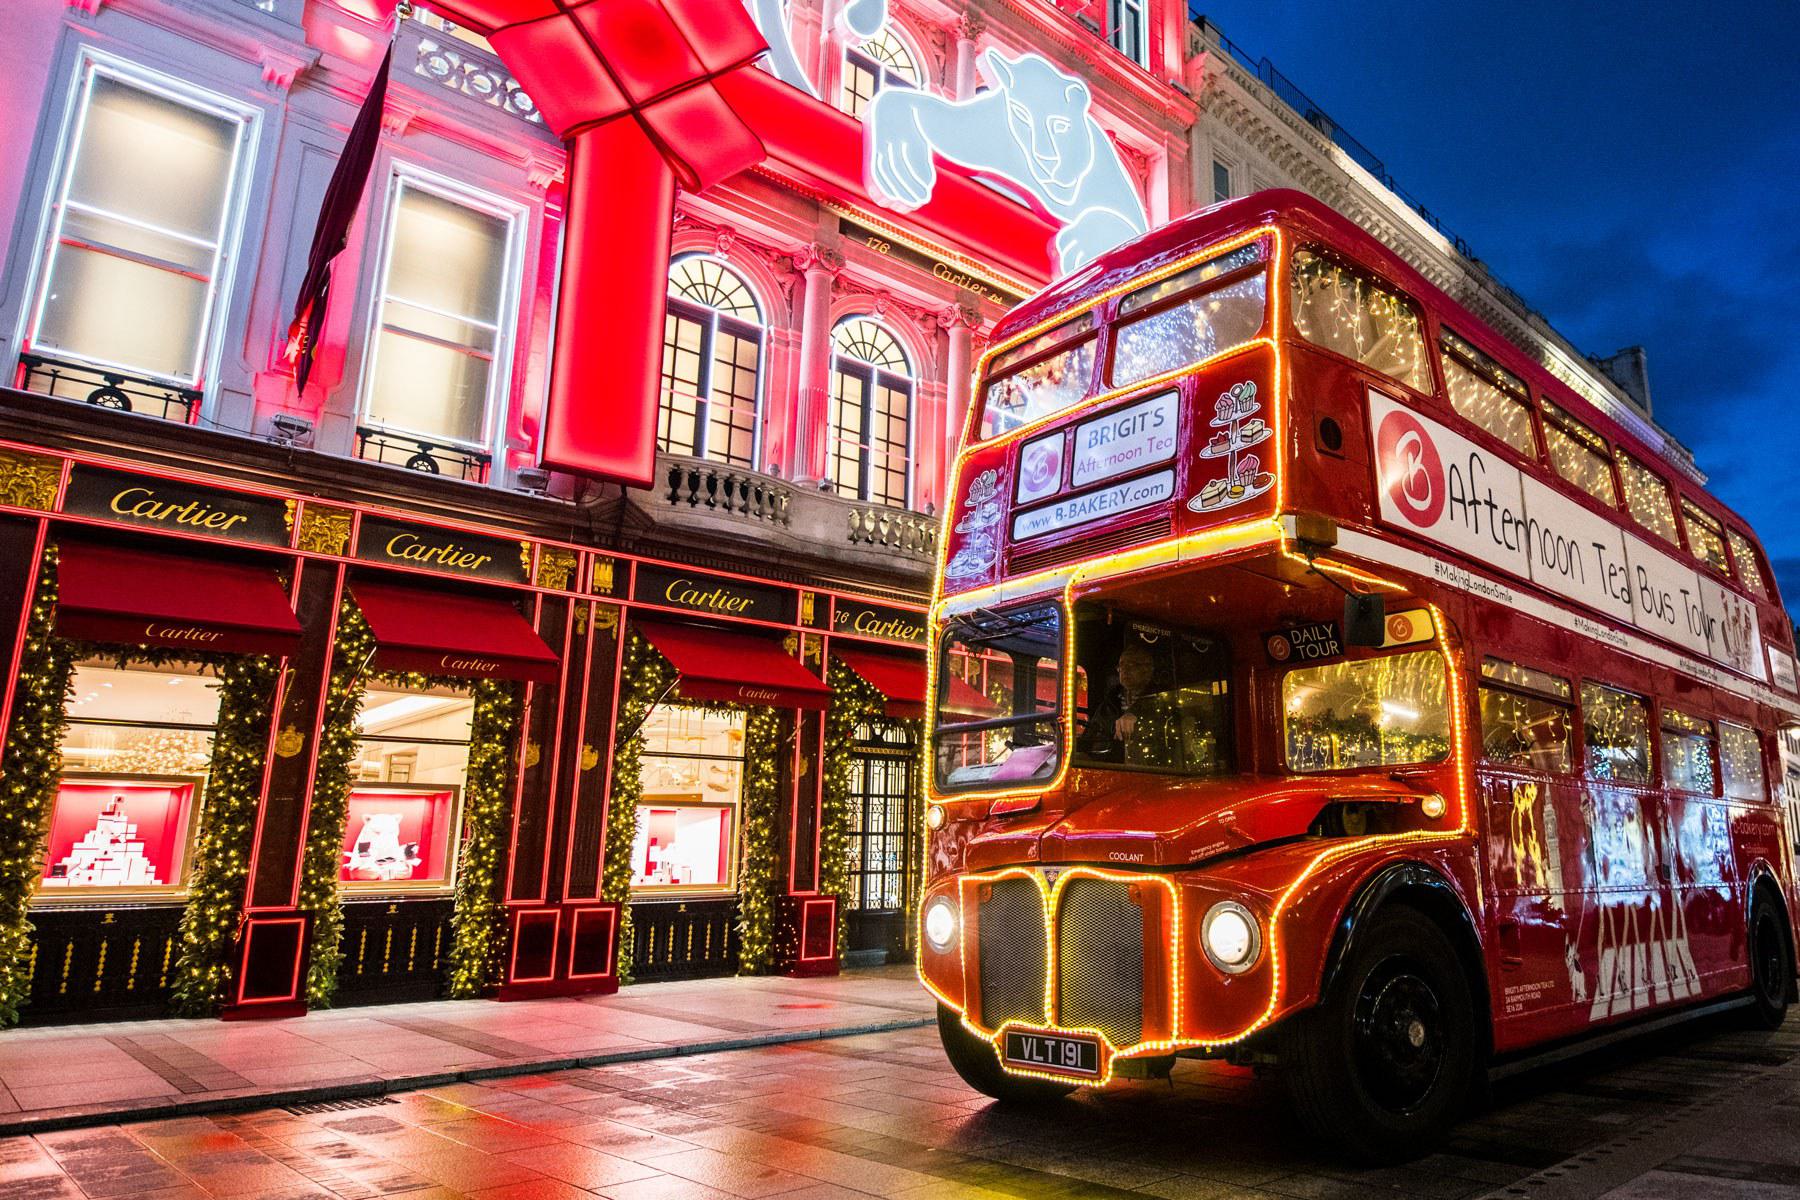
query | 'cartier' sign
[715, 595]
[860, 619]
[148, 502]
[450, 551]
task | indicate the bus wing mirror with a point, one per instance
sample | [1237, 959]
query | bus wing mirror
[1365, 620]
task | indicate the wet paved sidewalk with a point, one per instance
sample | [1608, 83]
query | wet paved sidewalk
[77, 1074]
[1706, 1112]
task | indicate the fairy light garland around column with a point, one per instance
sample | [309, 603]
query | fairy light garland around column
[645, 677]
[758, 882]
[478, 922]
[205, 959]
[32, 767]
[853, 703]
[323, 860]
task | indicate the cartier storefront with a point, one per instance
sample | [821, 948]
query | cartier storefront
[296, 742]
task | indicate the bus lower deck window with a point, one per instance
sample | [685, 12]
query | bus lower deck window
[1616, 731]
[1367, 712]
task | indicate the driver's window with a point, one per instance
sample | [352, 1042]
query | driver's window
[1152, 697]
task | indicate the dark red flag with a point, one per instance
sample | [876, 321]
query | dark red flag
[342, 198]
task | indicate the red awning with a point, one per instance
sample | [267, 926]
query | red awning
[451, 633]
[901, 680]
[137, 597]
[718, 664]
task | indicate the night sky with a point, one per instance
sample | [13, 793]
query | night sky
[1632, 170]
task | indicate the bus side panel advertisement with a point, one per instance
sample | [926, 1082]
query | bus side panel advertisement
[1434, 482]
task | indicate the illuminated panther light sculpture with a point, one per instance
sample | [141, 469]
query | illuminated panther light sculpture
[1030, 135]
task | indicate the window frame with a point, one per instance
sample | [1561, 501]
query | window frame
[1710, 735]
[1652, 739]
[53, 207]
[1528, 689]
[1138, 30]
[1751, 550]
[1620, 458]
[401, 175]
[1453, 347]
[878, 68]
[870, 376]
[1120, 320]
[1219, 166]
[1552, 414]
[1291, 307]
[710, 327]
[1693, 514]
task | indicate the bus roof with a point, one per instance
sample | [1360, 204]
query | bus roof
[1309, 216]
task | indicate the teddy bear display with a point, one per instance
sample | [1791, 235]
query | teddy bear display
[378, 853]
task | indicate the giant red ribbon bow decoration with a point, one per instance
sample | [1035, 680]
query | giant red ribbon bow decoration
[629, 86]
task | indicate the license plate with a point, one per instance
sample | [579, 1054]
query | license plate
[1056, 1052]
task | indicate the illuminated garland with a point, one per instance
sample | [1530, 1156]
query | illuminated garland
[646, 677]
[323, 860]
[478, 922]
[853, 703]
[33, 764]
[205, 961]
[758, 883]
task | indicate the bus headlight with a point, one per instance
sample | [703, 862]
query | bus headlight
[940, 923]
[934, 817]
[1231, 937]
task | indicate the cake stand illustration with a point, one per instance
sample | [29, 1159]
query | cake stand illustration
[1234, 416]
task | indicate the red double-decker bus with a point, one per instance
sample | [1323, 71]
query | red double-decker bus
[1322, 682]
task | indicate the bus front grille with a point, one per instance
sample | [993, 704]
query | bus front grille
[1100, 959]
[1011, 953]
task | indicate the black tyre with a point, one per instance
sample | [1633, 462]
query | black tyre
[979, 1066]
[1771, 962]
[1383, 1066]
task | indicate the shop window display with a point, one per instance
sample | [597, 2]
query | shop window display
[692, 778]
[136, 754]
[403, 809]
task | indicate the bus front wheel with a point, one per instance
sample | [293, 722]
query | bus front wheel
[975, 1060]
[1382, 1067]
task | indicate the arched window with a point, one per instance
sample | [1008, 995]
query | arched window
[883, 61]
[871, 414]
[712, 364]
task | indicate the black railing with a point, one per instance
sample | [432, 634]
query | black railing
[107, 389]
[418, 454]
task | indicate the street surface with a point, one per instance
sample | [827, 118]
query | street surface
[1707, 1111]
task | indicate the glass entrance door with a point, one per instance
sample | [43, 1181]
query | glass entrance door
[883, 836]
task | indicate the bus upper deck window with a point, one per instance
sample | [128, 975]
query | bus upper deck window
[1034, 380]
[1743, 555]
[1346, 312]
[1579, 455]
[1706, 537]
[1647, 496]
[1487, 394]
[1189, 317]
[1368, 712]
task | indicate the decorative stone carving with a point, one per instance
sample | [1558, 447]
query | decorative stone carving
[555, 568]
[29, 480]
[323, 529]
[463, 70]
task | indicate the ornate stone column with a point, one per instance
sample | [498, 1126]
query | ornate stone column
[959, 322]
[967, 29]
[818, 266]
